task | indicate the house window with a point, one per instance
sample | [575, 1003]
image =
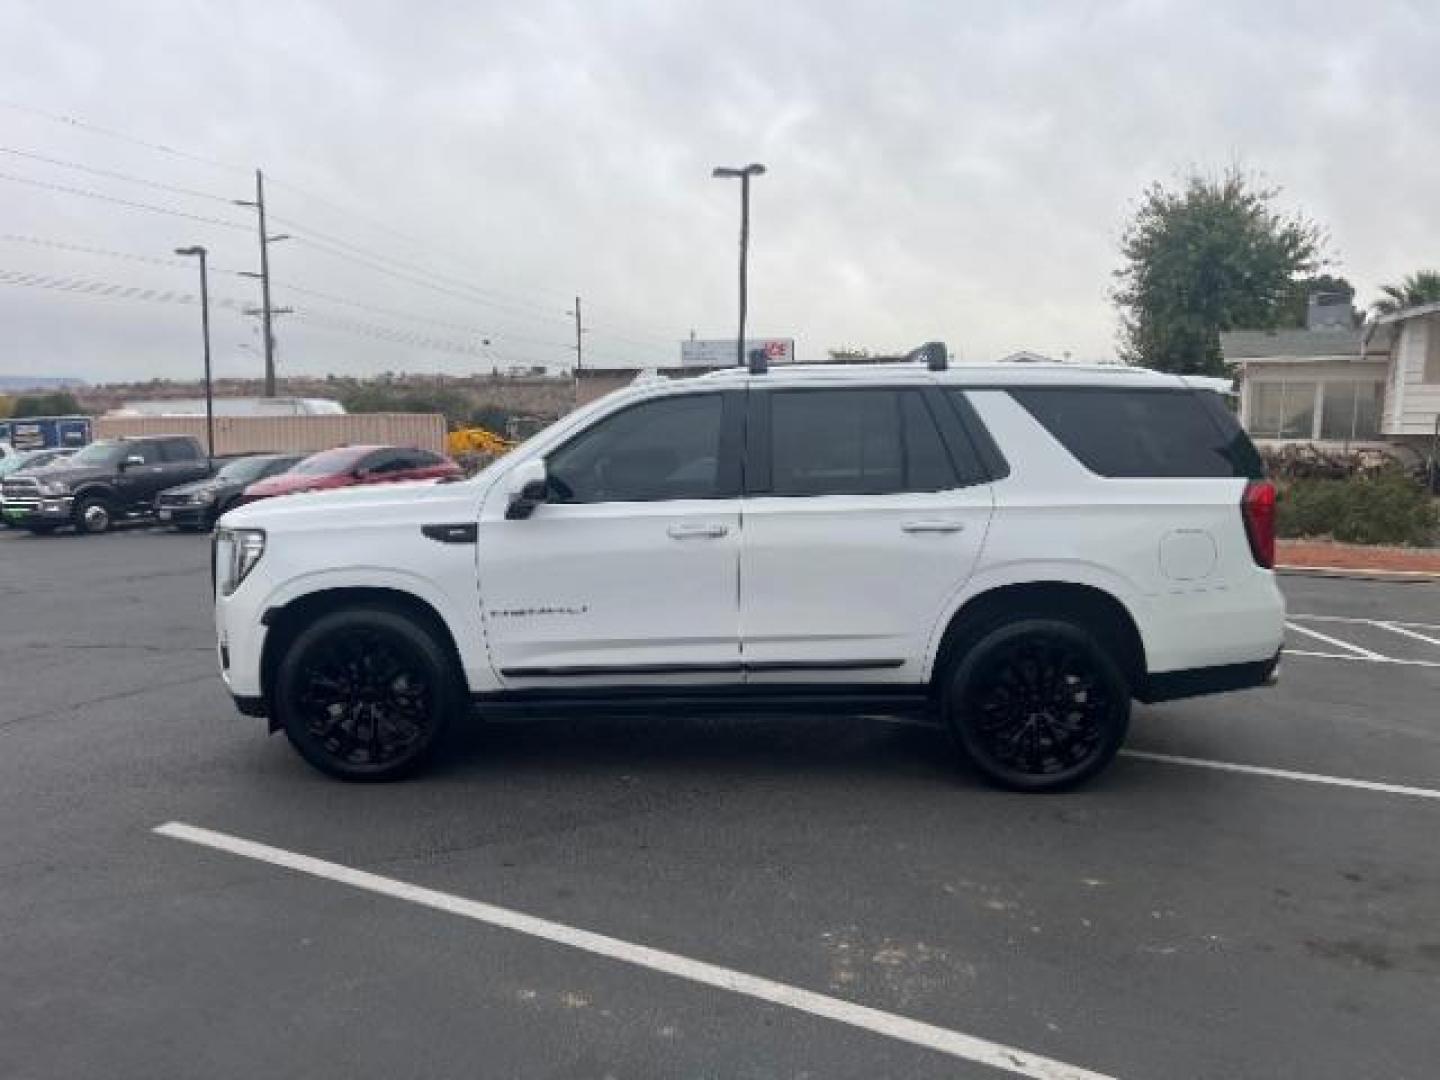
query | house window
[1351, 411]
[1282, 410]
[1432, 350]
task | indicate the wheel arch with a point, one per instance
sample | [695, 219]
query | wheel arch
[1097, 609]
[284, 622]
[96, 488]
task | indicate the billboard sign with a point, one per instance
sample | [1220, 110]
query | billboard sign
[721, 353]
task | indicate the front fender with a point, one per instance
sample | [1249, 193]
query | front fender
[458, 606]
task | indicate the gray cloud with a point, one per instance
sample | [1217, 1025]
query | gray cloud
[960, 170]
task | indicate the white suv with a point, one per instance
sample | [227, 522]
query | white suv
[1020, 550]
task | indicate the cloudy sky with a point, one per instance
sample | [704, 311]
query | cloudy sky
[457, 172]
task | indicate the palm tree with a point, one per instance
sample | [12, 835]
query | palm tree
[1421, 287]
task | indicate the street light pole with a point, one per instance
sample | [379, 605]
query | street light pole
[743, 175]
[199, 251]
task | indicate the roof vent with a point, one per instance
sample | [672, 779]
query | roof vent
[934, 354]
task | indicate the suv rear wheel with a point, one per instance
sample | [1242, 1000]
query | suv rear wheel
[366, 693]
[93, 515]
[1038, 704]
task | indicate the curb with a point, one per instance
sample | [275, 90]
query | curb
[1397, 577]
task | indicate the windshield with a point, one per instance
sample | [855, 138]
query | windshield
[245, 470]
[100, 453]
[330, 462]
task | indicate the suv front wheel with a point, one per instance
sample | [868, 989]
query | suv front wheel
[366, 693]
[1038, 704]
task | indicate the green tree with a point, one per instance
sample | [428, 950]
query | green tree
[60, 403]
[1213, 255]
[1421, 287]
[376, 397]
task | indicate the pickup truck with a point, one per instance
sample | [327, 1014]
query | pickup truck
[108, 481]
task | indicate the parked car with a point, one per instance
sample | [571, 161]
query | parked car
[106, 482]
[198, 505]
[1018, 552]
[349, 466]
[15, 460]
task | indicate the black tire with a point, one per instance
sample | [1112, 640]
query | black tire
[1037, 704]
[366, 694]
[93, 515]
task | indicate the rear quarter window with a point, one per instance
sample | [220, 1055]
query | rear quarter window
[1126, 432]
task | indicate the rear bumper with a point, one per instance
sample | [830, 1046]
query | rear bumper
[1195, 682]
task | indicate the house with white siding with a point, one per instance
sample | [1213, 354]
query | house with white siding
[1342, 386]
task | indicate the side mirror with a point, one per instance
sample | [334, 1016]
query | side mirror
[360, 473]
[528, 487]
[131, 461]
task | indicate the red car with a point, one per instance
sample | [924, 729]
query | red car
[350, 466]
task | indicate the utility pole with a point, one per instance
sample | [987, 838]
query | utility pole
[579, 357]
[579, 347]
[264, 275]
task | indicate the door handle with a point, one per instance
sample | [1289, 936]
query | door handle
[935, 526]
[686, 532]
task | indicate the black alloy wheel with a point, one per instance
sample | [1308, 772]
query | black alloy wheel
[1038, 705]
[366, 693]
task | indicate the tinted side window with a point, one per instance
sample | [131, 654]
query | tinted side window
[854, 442]
[180, 450]
[1129, 432]
[382, 462]
[148, 450]
[663, 449]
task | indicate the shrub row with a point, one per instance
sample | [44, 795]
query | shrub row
[1385, 508]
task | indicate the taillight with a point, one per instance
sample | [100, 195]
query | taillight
[1257, 508]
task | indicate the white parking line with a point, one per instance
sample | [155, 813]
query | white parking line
[1363, 659]
[942, 1040]
[1398, 629]
[1365, 622]
[1368, 654]
[1285, 774]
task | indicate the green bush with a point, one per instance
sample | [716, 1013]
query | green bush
[1389, 508]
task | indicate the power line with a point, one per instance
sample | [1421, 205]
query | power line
[310, 235]
[92, 288]
[509, 300]
[113, 175]
[64, 189]
[409, 238]
[60, 245]
[412, 279]
[96, 129]
[108, 290]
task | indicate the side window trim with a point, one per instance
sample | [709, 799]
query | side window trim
[970, 427]
[728, 466]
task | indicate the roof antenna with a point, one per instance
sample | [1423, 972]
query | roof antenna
[934, 353]
[759, 364]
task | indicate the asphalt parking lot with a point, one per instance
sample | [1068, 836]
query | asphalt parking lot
[1253, 891]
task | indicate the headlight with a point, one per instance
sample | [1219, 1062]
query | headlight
[236, 553]
[203, 498]
[51, 488]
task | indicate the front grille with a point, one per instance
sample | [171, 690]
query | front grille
[21, 494]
